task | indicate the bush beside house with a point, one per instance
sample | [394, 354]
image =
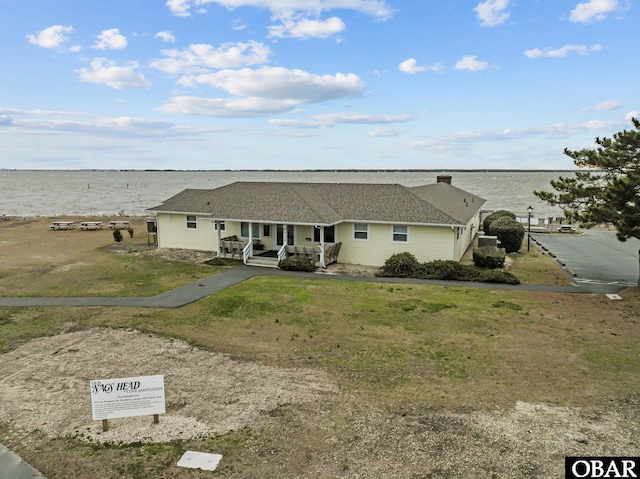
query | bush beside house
[509, 232]
[405, 265]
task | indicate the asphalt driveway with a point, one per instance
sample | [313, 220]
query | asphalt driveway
[595, 256]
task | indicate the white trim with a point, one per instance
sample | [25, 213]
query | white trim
[354, 231]
[188, 221]
[393, 233]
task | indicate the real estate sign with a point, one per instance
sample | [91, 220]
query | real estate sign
[126, 397]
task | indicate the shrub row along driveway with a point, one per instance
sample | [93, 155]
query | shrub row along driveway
[595, 256]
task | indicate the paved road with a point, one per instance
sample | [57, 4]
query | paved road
[596, 257]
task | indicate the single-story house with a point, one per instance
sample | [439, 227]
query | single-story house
[360, 223]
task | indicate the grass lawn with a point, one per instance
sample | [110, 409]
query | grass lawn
[395, 352]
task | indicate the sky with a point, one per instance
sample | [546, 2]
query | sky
[313, 84]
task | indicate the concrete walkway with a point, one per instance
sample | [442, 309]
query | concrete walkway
[202, 288]
[13, 467]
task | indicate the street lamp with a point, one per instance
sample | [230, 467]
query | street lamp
[529, 211]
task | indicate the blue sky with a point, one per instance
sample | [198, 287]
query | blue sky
[313, 84]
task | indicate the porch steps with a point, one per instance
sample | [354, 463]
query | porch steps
[263, 262]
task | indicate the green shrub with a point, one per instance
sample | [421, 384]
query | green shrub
[401, 265]
[497, 276]
[494, 216]
[444, 270]
[297, 264]
[510, 233]
[488, 257]
[406, 265]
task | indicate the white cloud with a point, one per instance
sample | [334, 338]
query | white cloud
[265, 91]
[166, 36]
[51, 37]
[374, 8]
[238, 24]
[555, 131]
[607, 105]
[360, 118]
[593, 11]
[471, 63]
[226, 107]
[386, 132]
[632, 114]
[105, 72]
[37, 112]
[410, 66]
[297, 124]
[203, 57]
[492, 13]
[562, 51]
[110, 40]
[306, 28]
[352, 118]
[283, 84]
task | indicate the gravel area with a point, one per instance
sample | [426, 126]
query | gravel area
[44, 385]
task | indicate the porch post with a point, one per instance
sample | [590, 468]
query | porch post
[219, 237]
[285, 234]
[322, 247]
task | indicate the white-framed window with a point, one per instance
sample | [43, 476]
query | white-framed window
[400, 234]
[223, 226]
[266, 230]
[192, 222]
[244, 230]
[360, 231]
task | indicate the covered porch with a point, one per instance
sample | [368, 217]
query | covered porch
[264, 244]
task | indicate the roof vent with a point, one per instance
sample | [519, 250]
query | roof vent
[444, 179]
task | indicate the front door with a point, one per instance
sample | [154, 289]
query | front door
[280, 236]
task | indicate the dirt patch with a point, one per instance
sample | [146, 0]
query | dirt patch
[44, 385]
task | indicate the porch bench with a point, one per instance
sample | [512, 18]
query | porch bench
[234, 248]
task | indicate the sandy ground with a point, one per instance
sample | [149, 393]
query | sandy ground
[44, 385]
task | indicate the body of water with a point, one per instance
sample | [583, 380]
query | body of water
[113, 192]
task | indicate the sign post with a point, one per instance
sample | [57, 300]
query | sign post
[127, 397]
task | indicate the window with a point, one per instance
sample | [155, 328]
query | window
[223, 226]
[192, 222]
[244, 230]
[361, 231]
[329, 234]
[401, 234]
[266, 230]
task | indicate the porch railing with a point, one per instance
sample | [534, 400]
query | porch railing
[247, 252]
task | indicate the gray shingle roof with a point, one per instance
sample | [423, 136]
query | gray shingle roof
[328, 203]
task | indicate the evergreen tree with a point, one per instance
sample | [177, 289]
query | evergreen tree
[607, 190]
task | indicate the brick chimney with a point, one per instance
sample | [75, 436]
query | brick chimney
[444, 179]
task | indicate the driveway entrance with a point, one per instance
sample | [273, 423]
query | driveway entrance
[595, 256]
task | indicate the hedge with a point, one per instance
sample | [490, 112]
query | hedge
[510, 233]
[297, 264]
[405, 265]
[494, 216]
[489, 257]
